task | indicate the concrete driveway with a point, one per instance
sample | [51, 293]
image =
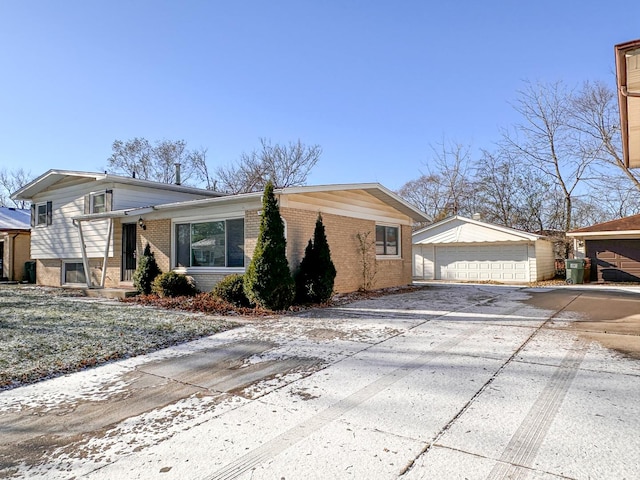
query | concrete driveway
[450, 381]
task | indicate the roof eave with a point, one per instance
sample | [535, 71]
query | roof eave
[621, 81]
[375, 189]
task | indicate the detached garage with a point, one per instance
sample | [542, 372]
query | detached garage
[613, 247]
[464, 249]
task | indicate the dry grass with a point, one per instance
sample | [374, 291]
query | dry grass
[47, 332]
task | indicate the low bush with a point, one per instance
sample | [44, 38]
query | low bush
[172, 284]
[231, 289]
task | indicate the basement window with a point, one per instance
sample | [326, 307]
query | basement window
[73, 273]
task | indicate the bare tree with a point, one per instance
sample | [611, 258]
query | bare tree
[10, 182]
[547, 140]
[452, 166]
[157, 162]
[509, 192]
[425, 194]
[285, 165]
[595, 115]
[199, 161]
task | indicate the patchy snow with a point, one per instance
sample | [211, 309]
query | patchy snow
[367, 390]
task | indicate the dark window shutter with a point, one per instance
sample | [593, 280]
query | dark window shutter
[87, 204]
[33, 215]
[108, 201]
[49, 213]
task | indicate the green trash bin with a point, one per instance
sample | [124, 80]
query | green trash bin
[30, 270]
[575, 270]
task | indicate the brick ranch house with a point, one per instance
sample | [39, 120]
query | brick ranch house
[88, 228]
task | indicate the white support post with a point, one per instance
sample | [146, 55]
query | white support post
[85, 260]
[106, 253]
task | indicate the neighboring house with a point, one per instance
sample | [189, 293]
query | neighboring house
[628, 79]
[613, 247]
[460, 248]
[98, 223]
[14, 243]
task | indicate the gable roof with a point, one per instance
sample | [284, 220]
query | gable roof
[15, 219]
[459, 229]
[622, 225]
[52, 177]
[374, 189]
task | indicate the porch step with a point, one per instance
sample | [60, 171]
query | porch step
[109, 292]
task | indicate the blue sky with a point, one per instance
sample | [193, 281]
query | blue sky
[375, 83]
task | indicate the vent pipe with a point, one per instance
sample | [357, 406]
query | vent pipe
[177, 174]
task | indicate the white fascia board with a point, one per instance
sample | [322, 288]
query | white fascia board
[52, 176]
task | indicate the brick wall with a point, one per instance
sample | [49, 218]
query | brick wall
[48, 272]
[341, 234]
[158, 234]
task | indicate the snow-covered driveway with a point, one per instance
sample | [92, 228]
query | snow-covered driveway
[472, 381]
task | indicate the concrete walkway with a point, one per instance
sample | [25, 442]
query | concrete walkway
[451, 381]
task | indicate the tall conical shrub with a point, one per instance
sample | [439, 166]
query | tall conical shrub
[146, 272]
[268, 282]
[316, 276]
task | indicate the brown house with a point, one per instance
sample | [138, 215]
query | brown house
[613, 247]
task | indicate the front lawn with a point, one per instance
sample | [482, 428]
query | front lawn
[46, 332]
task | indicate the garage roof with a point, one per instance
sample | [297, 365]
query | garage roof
[460, 229]
[626, 225]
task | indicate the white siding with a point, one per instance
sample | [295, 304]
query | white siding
[61, 238]
[129, 196]
[423, 262]
[460, 231]
[545, 263]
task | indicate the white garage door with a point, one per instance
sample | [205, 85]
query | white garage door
[490, 262]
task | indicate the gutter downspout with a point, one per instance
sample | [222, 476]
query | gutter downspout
[12, 257]
[85, 260]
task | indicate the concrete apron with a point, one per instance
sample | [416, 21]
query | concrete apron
[446, 382]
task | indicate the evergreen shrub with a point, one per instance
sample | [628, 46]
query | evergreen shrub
[172, 284]
[268, 282]
[146, 272]
[231, 289]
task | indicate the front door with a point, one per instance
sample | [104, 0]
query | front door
[128, 252]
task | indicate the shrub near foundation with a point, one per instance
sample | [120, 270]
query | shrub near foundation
[146, 272]
[268, 282]
[172, 284]
[231, 289]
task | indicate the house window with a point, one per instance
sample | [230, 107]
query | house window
[41, 214]
[210, 244]
[98, 203]
[73, 272]
[387, 240]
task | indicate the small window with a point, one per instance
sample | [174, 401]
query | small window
[387, 240]
[41, 214]
[98, 203]
[73, 272]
